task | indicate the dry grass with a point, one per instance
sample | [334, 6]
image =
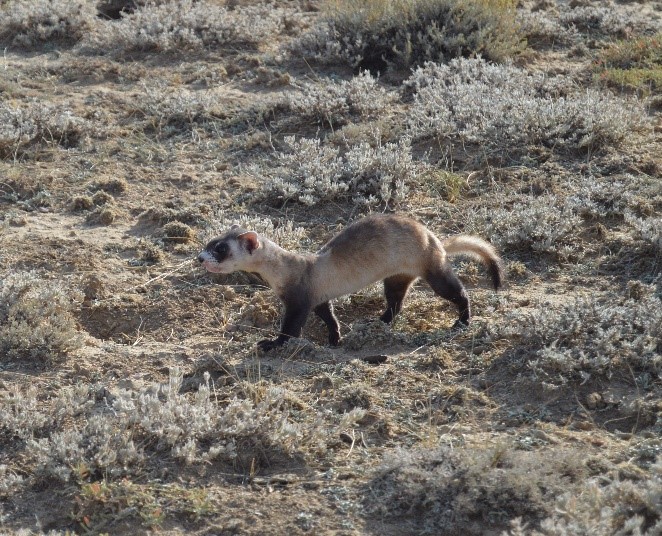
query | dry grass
[132, 396]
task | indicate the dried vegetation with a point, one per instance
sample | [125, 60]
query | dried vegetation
[132, 397]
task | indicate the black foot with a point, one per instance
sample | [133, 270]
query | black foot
[460, 325]
[267, 344]
[387, 317]
[334, 339]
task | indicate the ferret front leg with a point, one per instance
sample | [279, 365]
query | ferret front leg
[293, 321]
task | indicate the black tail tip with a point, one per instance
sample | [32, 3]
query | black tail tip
[497, 273]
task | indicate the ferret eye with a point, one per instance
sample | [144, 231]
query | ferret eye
[222, 250]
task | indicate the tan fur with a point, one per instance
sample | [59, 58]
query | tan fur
[470, 245]
[368, 251]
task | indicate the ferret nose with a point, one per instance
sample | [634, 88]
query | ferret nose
[200, 258]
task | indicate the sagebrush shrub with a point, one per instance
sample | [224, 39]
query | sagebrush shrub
[36, 317]
[543, 224]
[9, 480]
[613, 196]
[647, 229]
[439, 490]
[21, 413]
[169, 110]
[186, 24]
[374, 33]
[603, 507]
[310, 173]
[567, 24]
[544, 29]
[28, 23]
[506, 109]
[36, 123]
[592, 336]
[334, 102]
[602, 20]
[158, 418]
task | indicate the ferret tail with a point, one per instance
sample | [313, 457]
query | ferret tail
[478, 249]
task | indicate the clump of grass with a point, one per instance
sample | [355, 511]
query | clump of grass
[445, 183]
[373, 34]
[186, 25]
[645, 80]
[505, 109]
[103, 215]
[311, 173]
[177, 231]
[102, 198]
[372, 334]
[82, 202]
[112, 186]
[36, 318]
[191, 215]
[149, 253]
[634, 64]
[144, 504]
[333, 103]
[30, 23]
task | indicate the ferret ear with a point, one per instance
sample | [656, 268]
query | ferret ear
[234, 226]
[250, 240]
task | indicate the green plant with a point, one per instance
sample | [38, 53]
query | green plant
[635, 64]
[445, 183]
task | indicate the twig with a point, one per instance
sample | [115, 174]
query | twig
[162, 276]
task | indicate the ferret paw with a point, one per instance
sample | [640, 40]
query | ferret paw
[460, 325]
[267, 344]
[334, 339]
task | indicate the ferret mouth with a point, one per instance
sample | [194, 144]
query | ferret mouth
[213, 267]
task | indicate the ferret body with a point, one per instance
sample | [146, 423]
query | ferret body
[392, 248]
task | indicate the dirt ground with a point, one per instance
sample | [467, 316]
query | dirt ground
[451, 433]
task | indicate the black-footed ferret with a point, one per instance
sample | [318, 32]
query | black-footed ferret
[392, 248]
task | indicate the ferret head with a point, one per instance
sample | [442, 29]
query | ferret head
[231, 252]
